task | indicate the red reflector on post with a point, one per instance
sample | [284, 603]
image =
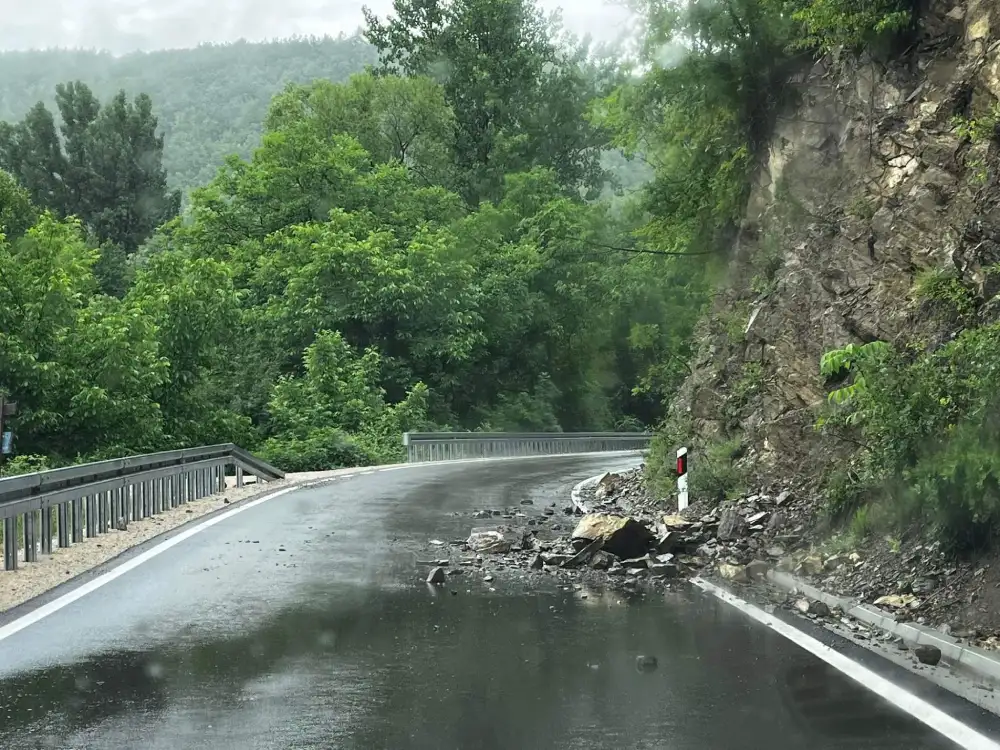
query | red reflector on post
[682, 465]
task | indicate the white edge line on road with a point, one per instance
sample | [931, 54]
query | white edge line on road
[936, 719]
[578, 489]
[92, 585]
[19, 624]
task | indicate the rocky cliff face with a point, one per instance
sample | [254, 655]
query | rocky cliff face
[867, 183]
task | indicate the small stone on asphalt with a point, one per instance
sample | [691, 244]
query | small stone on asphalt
[646, 663]
[436, 576]
[929, 655]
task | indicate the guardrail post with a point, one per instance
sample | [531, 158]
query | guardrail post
[46, 531]
[30, 550]
[91, 516]
[102, 512]
[78, 520]
[63, 522]
[10, 543]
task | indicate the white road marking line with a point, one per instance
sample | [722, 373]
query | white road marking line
[19, 624]
[962, 735]
[80, 591]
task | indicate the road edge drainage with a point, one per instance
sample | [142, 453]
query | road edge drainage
[971, 659]
[929, 715]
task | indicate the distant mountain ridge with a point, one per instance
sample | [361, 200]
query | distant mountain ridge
[210, 100]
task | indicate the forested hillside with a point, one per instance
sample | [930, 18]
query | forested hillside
[434, 244]
[401, 251]
[210, 101]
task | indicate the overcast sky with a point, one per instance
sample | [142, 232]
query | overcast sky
[126, 25]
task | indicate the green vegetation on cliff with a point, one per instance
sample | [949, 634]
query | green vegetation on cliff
[916, 422]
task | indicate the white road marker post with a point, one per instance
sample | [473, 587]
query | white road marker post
[682, 479]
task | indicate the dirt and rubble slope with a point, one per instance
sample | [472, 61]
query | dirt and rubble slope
[866, 184]
[871, 182]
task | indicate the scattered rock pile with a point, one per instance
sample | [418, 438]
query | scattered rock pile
[622, 537]
[914, 580]
[625, 538]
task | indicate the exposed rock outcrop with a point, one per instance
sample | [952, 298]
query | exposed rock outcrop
[866, 183]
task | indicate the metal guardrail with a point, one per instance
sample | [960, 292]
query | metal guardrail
[95, 497]
[443, 446]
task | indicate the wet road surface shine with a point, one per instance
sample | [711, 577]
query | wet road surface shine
[303, 623]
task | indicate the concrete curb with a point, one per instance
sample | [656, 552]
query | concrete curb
[577, 494]
[975, 660]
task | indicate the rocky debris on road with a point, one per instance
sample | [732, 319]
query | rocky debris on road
[739, 540]
[436, 576]
[627, 539]
[646, 663]
[621, 536]
[929, 655]
[497, 540]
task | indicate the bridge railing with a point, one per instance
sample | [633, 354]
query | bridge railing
[89, 499]
[445, 446]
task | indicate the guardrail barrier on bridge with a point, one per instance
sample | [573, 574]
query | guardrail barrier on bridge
[95, 497]
[443, 446]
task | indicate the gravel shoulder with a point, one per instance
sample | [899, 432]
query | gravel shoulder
[31, 580]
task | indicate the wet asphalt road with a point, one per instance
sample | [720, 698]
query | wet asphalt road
[304, 623]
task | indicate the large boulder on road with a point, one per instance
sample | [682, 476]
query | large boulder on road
[497, 540]
[623, 537]
[607, 485]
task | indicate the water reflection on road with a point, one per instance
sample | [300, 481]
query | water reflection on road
[423, 669]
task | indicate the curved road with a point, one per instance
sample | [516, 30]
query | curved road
[303, 622]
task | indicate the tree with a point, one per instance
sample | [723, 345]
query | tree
[195, 311]
[127, 193]
[517, 96]
[403, 121]
[107, 170]
[30, 151]
[17, 213]
[83, 367]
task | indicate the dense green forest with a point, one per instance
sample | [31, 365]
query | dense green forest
[210, 101]
[419, 246]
